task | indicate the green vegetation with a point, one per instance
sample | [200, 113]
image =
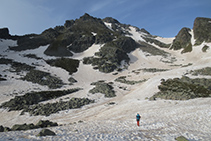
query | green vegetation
[183, 89]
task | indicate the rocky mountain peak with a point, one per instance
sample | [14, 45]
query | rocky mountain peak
[4, 33]
[202, 29]
[182, 40]
[110, 20]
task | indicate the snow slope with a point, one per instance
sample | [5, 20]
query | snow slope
[161, 119]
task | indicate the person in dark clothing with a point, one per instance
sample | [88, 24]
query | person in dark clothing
[138, 118]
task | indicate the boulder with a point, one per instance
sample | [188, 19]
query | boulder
[46, 132]
[46, 123]
[181, 138]
[25, 126]
[1, 128]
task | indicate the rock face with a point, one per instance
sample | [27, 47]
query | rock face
[46, 132]
[4, 33]
[183, 40]
[104, 88]
[112, 54]
[202, 30]
[68, 64]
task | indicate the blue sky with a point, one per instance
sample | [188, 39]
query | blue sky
[160, 17]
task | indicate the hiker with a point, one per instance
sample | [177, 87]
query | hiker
[138, 118]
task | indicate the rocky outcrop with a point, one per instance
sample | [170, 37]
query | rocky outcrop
[51, 108]
[117, 26]
[2, 79]
[22, 102]
[203, 71]
[46, 132]
[183, 41]
[122, 79]
[16, 66]
[202, 30]
[104, 88]
[43, 78]
[181, 138]
[30, 102]
[68, 64]
[4, 33]
[46, 123]
[18, 127]
[112, 54]
[183, 89]
[4, 129]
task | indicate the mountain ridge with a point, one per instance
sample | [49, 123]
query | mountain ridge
[75, 72]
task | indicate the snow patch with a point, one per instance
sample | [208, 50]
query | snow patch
[136, 35]
[192, 37]
[94, 34]
[165, 40]
[89, 52]
[108, 25]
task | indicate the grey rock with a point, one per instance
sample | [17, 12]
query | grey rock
[46, 132]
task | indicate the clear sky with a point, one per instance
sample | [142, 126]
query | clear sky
[160, 17]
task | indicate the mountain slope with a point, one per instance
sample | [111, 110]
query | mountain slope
[109, 56]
